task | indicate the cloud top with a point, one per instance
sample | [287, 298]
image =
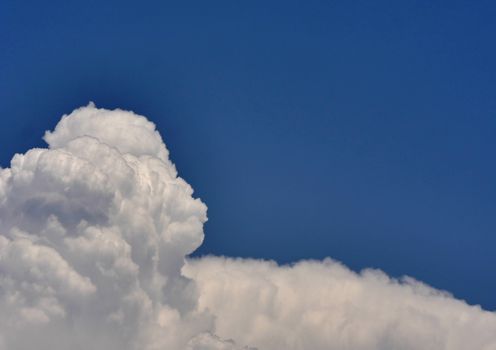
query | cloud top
[127, 132]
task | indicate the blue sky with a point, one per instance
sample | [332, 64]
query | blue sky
[357, 130]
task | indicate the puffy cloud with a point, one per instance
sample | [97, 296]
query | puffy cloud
[94, 231]
[323, 305]
[93, 235]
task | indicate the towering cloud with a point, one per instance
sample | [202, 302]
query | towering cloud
[94, 231]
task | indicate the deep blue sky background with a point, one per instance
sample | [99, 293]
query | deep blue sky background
[360, 130]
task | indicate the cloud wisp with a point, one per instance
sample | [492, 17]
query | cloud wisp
[94, 235]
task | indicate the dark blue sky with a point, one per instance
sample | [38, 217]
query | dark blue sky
[360, 130]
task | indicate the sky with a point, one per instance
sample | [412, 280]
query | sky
[361, 131]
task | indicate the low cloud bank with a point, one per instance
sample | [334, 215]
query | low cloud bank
[324, 305]
[94, 231]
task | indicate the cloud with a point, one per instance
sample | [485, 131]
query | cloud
[323, 305]
[94, 231]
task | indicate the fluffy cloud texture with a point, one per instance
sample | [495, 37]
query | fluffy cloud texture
[323, 305]
[94, 231]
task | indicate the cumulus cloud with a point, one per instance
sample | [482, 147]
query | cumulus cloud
[323, 305]
[94, 231]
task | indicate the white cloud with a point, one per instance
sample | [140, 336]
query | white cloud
[323, 305]
[94, 232]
